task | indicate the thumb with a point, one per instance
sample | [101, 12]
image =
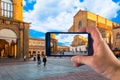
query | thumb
[82, 59]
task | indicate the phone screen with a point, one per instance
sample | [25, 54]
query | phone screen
[67, 43]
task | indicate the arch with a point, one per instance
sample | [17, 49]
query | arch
[12, 36]
[8, 46]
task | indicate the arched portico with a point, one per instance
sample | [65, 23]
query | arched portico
[8, 39]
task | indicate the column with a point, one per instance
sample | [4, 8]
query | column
[15, 51]
[9, 50]
[6, 50]
[20, 43]
[26, 40]
[2, 52]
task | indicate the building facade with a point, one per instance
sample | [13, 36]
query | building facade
[63, 48]
[79, 43]
[79, 40]
[36, 46]
[116, 37]
[105, 26]
[14, 32]
[53, 43]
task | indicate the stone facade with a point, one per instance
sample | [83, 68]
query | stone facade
[79, 43]
[53, 43]
[17, 46]
[36, 46]
[116, 38]
[105, 26]
[63, 48]
[79, 40]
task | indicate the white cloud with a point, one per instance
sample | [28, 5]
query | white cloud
[105, 8]
[67, 39]
[57, 15]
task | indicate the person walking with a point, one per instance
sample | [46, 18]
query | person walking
[34, 58]
[44, 60]
[38, 59]
[24, 57]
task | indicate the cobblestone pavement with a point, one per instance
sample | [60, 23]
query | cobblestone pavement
[83, 75]
[56, 69]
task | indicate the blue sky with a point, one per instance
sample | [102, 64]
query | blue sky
[57, 15]
[66, 39]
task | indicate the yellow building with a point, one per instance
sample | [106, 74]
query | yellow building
[14, 32]
[105, 26]
[79, 40]
[12, 9]
[53, 43]
[116, 38]
[63, 48]
[36, 46]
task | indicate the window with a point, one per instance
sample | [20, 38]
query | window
[7, 8]
[79, 24]
[118, 35]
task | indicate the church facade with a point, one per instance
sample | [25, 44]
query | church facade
[108, 29]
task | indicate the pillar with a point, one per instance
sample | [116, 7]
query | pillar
[26, 40]
[2, 52]
[20, 44]
[15, 51]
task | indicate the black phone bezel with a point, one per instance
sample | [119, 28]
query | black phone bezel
[47, 43]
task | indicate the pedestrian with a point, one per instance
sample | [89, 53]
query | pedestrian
[44, 60]
[24, 57]
[38, 59]
[34, 58]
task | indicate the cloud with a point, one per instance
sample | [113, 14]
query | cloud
[105, 8]
[66, 39]
[57, 15]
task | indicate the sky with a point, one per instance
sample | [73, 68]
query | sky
[57, 15]
[66, 39]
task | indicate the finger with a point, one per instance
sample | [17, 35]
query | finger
[77, 64]
[82, 60]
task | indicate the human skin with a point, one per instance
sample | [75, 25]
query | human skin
[103, 60]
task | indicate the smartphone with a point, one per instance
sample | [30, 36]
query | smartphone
[68, 44]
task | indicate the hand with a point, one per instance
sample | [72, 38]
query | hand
[103, 60]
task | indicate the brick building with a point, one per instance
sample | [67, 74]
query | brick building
[36, 46]
[108, 29]
[14, 32]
